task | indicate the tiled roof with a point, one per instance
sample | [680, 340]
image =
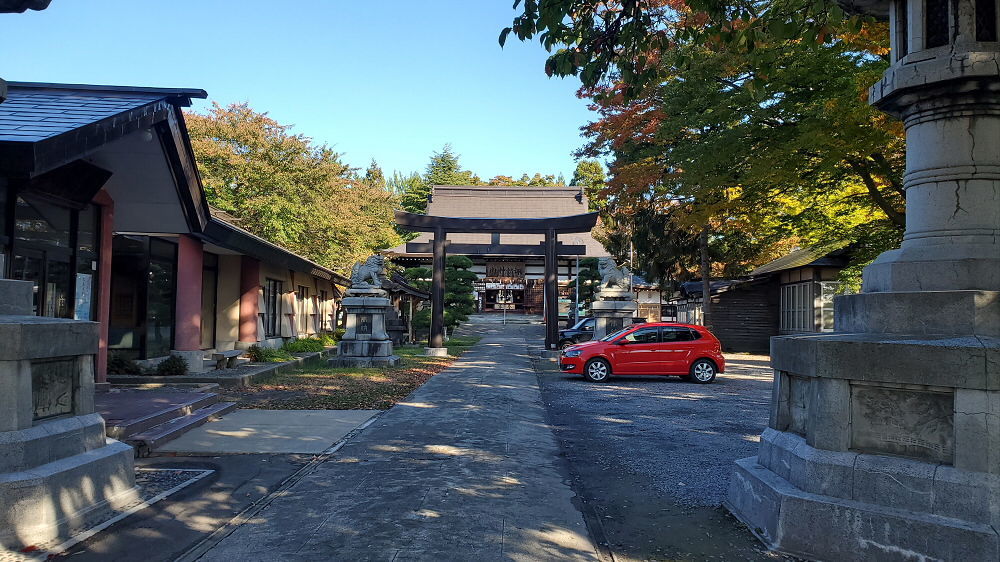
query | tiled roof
[802, 257]
[34, 111]
[507, 202]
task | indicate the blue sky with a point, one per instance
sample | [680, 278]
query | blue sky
[392, 80]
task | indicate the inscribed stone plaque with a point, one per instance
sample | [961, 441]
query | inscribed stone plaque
[52, 385]
[364, 323]
[910, 423]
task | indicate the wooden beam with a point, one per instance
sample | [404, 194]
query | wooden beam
[561, 225]
[498, 249]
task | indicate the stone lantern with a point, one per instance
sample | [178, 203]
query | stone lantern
[58, 471]
[884, 437]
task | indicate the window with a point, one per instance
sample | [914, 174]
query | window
[901, 17]
[935, 23]
[644, 335]
[797, 308]
[272, 307]
[986, 20]
[827, 291]
[302, 312]
[677, 333]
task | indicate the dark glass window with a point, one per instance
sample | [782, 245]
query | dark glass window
[209, 287]
[935, 23]
[986, 20]
[677, 333]
[272, 306]
[160, 297]
[902, 29]
[88, 243]
[644, 335]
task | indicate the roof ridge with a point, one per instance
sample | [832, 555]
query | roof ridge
[187, 92]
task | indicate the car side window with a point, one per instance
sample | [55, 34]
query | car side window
[677, 334]
[643, 335]
[695, 334]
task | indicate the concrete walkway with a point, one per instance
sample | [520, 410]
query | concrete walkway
[270, 431]
[467, 469]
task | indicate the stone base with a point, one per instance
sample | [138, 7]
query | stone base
[436, 351]
[195, 360]
[346, 361]
[611, 316]
[364, 348]
[817, 527]
[75, 475]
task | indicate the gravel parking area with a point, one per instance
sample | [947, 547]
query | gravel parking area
[652, 456]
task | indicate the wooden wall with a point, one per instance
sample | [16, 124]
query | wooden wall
[745, 318]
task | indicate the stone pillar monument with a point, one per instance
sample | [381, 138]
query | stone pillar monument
[58, 471]
[366, 342]
[884, 437]
[614, 303]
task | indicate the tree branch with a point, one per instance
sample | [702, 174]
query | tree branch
[861, 168]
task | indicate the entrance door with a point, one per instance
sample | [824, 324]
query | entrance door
[50, 273]
[29, 265]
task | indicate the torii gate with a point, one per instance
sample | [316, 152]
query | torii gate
[551, 248]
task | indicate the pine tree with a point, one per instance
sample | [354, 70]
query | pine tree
[374, 176]
[589, 174]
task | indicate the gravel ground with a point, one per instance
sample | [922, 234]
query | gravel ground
[683, 436]
[651, 457]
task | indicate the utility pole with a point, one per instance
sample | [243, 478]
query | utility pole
[706, 283]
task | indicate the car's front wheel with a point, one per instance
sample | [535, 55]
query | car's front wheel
[597, 370]
[702, 371]
[566, 343]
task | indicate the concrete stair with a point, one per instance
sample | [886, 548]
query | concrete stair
[146, 419]
[147, 441]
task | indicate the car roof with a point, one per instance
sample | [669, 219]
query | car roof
[695, 326]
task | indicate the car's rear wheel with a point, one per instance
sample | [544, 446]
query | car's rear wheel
[597, 370]
[703, 371]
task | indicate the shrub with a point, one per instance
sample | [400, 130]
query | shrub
[260, 354]
[118, 364]
[327, 339]
[172, 366]
[304, 345]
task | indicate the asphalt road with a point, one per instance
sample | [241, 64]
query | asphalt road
[651, 457]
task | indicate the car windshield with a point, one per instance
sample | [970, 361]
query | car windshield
[610, 337]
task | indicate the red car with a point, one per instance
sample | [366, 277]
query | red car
[657, 348]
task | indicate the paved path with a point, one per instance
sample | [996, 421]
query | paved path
[270, 431]
[467, 469]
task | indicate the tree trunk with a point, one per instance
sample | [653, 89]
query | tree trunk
[706, 282]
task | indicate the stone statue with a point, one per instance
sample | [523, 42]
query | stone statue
[367, 274]
[612, 276]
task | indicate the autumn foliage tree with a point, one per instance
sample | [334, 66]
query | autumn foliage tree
[744, 119]
[288, 190]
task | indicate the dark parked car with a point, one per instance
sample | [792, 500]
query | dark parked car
[580, 332]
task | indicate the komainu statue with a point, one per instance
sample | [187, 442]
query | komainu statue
[612, 276]
[367, 274]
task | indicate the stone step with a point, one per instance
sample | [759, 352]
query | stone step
[154, 437]
[124, 429]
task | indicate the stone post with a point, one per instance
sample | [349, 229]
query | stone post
[58, 471]
[366, 342]
[884, 437]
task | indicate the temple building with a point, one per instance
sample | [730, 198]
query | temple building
[510, 267]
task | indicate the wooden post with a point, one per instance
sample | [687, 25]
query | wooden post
[551, 291]
[437, 291]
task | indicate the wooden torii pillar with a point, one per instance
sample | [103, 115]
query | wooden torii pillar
[551, 249]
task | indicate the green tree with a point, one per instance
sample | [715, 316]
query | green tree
[445, 169]
[285, 189]
[419, 277]
[589, 280]
[412, 190]
[374, 176]
[589, 174]
[458, 301]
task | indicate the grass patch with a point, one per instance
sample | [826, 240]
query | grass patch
[318, 387]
